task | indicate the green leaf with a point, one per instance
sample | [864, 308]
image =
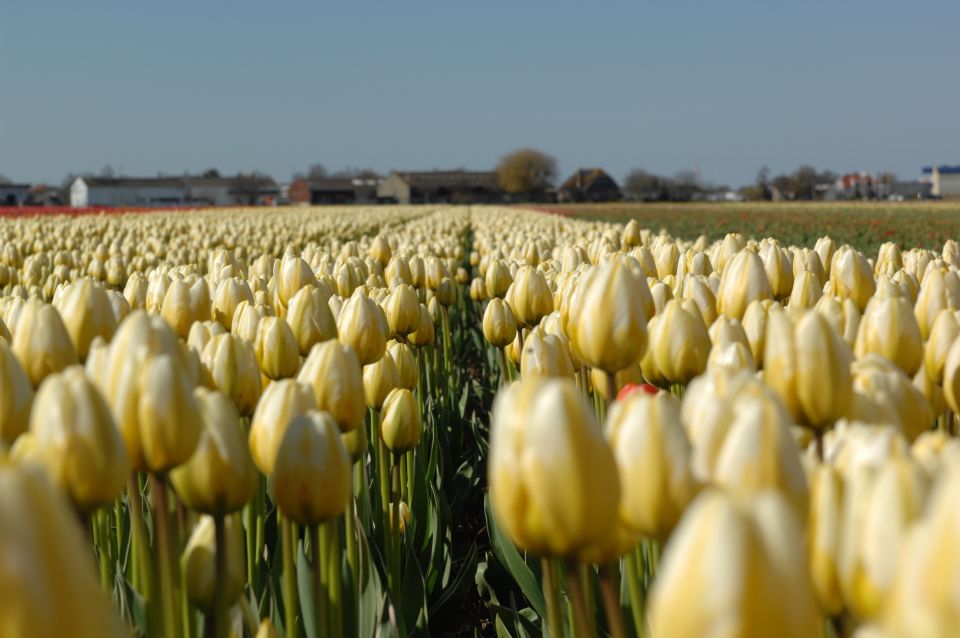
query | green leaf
[453, 595]
[306, 590]
[508, 555]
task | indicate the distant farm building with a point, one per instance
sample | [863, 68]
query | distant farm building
[335, 190]
[590, 185]
[944, 180]
[441, 187]
[13, 194]
[240, 190]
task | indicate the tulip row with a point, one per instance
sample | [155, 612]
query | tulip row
[278, 422]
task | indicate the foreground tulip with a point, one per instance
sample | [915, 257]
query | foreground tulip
[51, 589]
[888, 328]
[823, 539]
[737, 571]
[886, 385]
[310, 319]
[943, 333]
[378, 380]
[951, 377]
[403, 310]
[608, 321]
[312, 475]
[553, 480]
[219, 477]
[744, 280]
[87, 313]
[16, 397]
[852, 277]
[281, 402]
[76, 440]
[808, 366]
[400, 424]
[231, 365]
[405, 359]
[529, 296]
[41, 342]
[333, 371]
[499, 326]
[653, 458]
[199, 563]
[167, 426]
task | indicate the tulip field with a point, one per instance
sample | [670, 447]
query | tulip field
[479, 421]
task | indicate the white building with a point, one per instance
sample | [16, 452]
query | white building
[149, 192]
[944, 180]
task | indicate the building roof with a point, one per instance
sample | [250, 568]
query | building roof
[438, 179]
[943, 169]
[261, 181]
[584, 178]
[10, 186]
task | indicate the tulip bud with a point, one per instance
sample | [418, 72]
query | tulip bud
[424, 334]
[680, 344]
[406, 362]
[378, 380]
[310, 319]
[50, 588]
[808, 366]
[77, 441]
[166, 425]
[230, 364]
[779, 271]
[698, 290]
[313, 473]
[739, 567]
[652, 454]
[41, 342]
[823, 540]
[545, 355]
[229, 294]
[380, 250]
[529, 296]
[16, 397]
[88, 314]
[276, 349]
[398, 272]
[281, 402]
[943, 334]
[499, 326]
[219, 478]
[200, 558]
[246, 320]
[744, 280]
[607, 324]
[135, 291]
[478, 290]
[363, 327]
[333, 371]
[553, 480]
[888, 328]
[403, 310]
[356, 443]
[400, 424]
[294, 274]
[936, 294]
[632, 376]
[806, 291]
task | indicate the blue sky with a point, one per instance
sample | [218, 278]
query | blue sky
[726, 87]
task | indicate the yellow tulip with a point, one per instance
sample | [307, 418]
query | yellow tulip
[310, 318]
[293, 275]
[219, 477]
[424, 334]
[553, 479]
[598, 379]
[87, 314]
[806, 291]
[888, 328]
[779, 270]
[76, 440]
[199, 563]
[754, 324]
[653, 458]
[276, 349]
[680, 343]
[852, 277]
[808, 366]
[744, 280]
[478, 290]
[313, 471]
[333, 371]
[886, 384]
[737, 569]
[400, 424]
[281, 402]
[363, 326]
[231, 366]
[406, 362]
[545, 355]
[403, 310]
[41, 342]
[529, 296]
[499, 326]
[823, 539]
[50, 586]
[608, 319]
[380, 250]
[943, 334]
[937, 293]
[16, 397]
[185, 303]
[379, 379]
[228, 296]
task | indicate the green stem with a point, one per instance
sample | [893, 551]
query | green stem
[403, 476]
[584, 622]
[411, 468]
[320, 629]
[260, 500]
[220, 605]
[636, 592]
[142, 580]
[164, 556]
[102, 522]
[552, 593]
[611, 603]
[395, 527]
[289, 577]
[383, 474]
[504, 374]
[336, 582]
